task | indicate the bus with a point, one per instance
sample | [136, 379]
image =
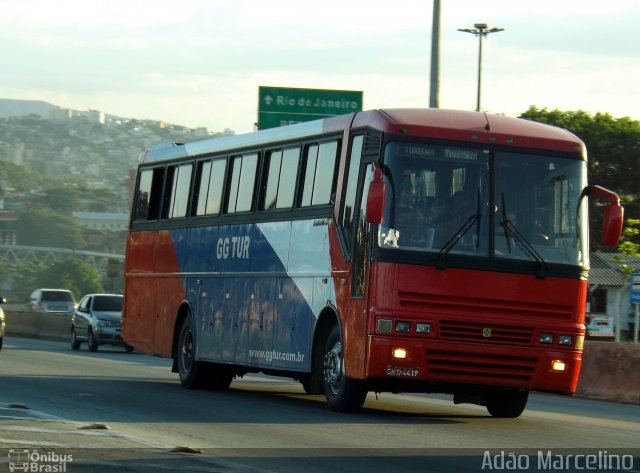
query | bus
[396, 250]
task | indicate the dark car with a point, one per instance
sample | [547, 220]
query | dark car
[97, 321]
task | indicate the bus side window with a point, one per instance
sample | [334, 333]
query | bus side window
[349, 211]
[319, 174]
[243, 177]
[177, 190]
[209, 183]
[148, 195]
[281, 170]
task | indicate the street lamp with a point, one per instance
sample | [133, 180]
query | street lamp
[480, 30]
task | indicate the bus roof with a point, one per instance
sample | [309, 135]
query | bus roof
[429, 123]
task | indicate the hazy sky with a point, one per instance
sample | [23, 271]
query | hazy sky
[200, 62]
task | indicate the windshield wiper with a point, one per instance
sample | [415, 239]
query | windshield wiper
[460, 232]
[511, 231]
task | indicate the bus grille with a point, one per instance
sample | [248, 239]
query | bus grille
[483, 307]
[483, 367]
[486, 332]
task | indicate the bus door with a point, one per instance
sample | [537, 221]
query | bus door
[351, 290]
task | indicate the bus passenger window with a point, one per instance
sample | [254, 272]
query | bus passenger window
[243, 177]
[180, 191]
[318, 179]
[148, 199]
[210, 181]
[282, 169]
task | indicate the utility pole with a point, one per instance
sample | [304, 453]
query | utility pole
[434, 94]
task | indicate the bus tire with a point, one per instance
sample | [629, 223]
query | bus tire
[193, 374]
[506, 404]
[343, 394]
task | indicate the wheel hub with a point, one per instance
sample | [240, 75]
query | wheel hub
[333, 368]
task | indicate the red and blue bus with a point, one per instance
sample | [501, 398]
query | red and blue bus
[399, 250]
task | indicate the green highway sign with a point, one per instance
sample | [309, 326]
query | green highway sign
[279, 106]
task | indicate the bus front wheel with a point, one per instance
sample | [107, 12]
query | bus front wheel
[506, 404]
[192, 373]
[343, 394]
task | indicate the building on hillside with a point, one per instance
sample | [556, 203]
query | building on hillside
[102, 221]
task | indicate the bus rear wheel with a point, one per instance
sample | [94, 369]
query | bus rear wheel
[343, 394]
[506, 404]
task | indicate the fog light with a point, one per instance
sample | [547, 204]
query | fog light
[546, 338]
[384, 326]
[403, 327]
[565, 340]
[558, 365]
[399, 353]
[423, 327]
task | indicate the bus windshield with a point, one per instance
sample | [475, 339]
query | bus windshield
[440, 199]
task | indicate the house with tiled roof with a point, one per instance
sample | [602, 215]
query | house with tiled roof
[609, 287]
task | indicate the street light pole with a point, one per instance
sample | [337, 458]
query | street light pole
[480, 30]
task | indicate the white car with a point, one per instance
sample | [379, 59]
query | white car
[600, 327]
[2, 322]
[52, 301]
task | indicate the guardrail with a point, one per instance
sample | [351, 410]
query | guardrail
[37, 325]
[609, 369]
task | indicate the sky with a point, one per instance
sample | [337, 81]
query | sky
[199, 63]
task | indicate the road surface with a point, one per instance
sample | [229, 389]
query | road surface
[127, 412]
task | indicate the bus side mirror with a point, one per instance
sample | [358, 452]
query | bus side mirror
[612, 224]
[613, 214]
[376, 196]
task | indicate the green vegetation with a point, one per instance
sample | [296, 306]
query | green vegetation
[74, 275]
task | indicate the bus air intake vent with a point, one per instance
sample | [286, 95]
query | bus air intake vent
[485, 332]
[448, 365]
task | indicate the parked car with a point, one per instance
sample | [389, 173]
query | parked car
[97, 321]
[600, 327]
[52, 301]
[2, 323]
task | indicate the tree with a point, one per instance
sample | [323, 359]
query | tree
[613, 145]
[74, 275]
[48, 229]
[63, 199]
[630, 233]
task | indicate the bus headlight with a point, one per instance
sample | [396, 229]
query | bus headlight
[423, 328]
[566, 340]
[558, 365]
[384, 325]
[403, 327]
[546, 338]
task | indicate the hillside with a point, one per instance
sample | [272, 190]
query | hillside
[20, 108]
[40, 151]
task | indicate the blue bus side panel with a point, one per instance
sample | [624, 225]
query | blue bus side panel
[256, 290]
[200, 255]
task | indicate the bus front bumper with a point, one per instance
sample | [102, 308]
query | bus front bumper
[474, 364]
